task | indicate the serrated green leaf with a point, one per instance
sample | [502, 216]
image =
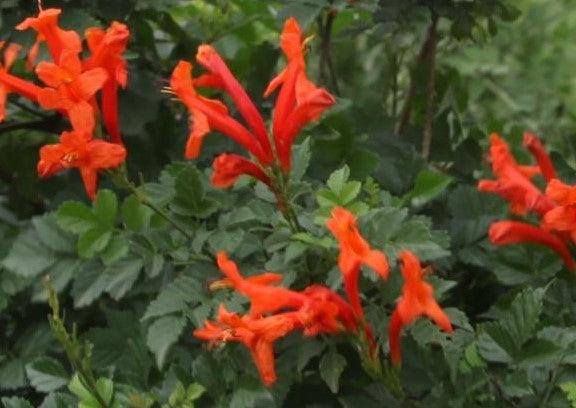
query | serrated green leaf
[28, 257]
[75, 217]
[175, 297]
[122, 275]
[429, 185]
[46, 374]
[93, 241]
[136, 216]
[15, 402]
[338, 179]
[106, 208]
[332, 365]
[116, 249]
[162, 334]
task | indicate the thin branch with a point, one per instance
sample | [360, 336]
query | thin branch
[50, 124]
[430, 88]
[406, 112]
[326, 68]
[28, 109]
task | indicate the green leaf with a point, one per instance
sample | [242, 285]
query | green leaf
[116, 249]
[106, 208]
[250, 393]
[136, 215]
[15, 402]
[90, 282]
[75, 217]
[52, 235]
[175, 297]
[190, 197]
[28, 257]
[46, 374]
[518, 324]
[569, 389]
[93, 241]
[332, 366]
[429, 185]
[338, 179]
[122, 275]
[162, 334]
[12, 374]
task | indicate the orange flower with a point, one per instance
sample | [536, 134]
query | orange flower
[264, 298]
[513, 181]
[107, 48]
[78, 150]
[544, 162]
[560, 193]
[228, 167]
[513, 232]
[58, 40]
[10, 83]
[209, 114]
[417, 300]
[257, 334]
[299, 101]
[354, 252]
[211, 60]
[70, 89]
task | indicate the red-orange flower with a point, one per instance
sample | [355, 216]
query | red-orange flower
[221, 75]
[513, 232]
[264, 298]
[257, 334]
[70, 89]
[10, 53]
[354, 252]
[513, 181]
[58, 40]
[107, 48]
[228, 167]
[417, 300]
[79, 150]
[299, 100]
[209, 114]
[544, 162]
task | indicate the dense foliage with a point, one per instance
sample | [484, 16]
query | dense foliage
[419, 258]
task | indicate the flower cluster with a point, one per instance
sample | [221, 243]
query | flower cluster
[276, 311]
[71, 84]
[299, 102]
[555, 206]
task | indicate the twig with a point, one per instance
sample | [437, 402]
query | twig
[326, 68]
[430, 88]
[50, 124]
[424, 51]
[28, 109]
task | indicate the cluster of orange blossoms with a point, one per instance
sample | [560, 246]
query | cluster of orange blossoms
[299, 102]
[556, 206]
[71, 87]
[276, 311]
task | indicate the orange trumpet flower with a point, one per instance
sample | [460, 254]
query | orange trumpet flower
[107, 48]
[71, 90]
[58, 40]
[417, 300]
[228, 167]
[79, 150]
[354, 252]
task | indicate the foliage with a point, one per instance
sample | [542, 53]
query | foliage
[127, 278]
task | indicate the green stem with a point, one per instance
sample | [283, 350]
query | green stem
[120, 179]
[76, 352]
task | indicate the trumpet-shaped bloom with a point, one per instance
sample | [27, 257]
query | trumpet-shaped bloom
[221, 75]
[560, 193]
[209, 114]
[354, 252]
[79, 150]
[58, 40]
[513, 232]
[10, 53]
[264, 298]
[257, 334]
[228, 167]
[513, 181]
[544, 162]
[299, 100]
[417, 300]
[106, 49]
[70, 90]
